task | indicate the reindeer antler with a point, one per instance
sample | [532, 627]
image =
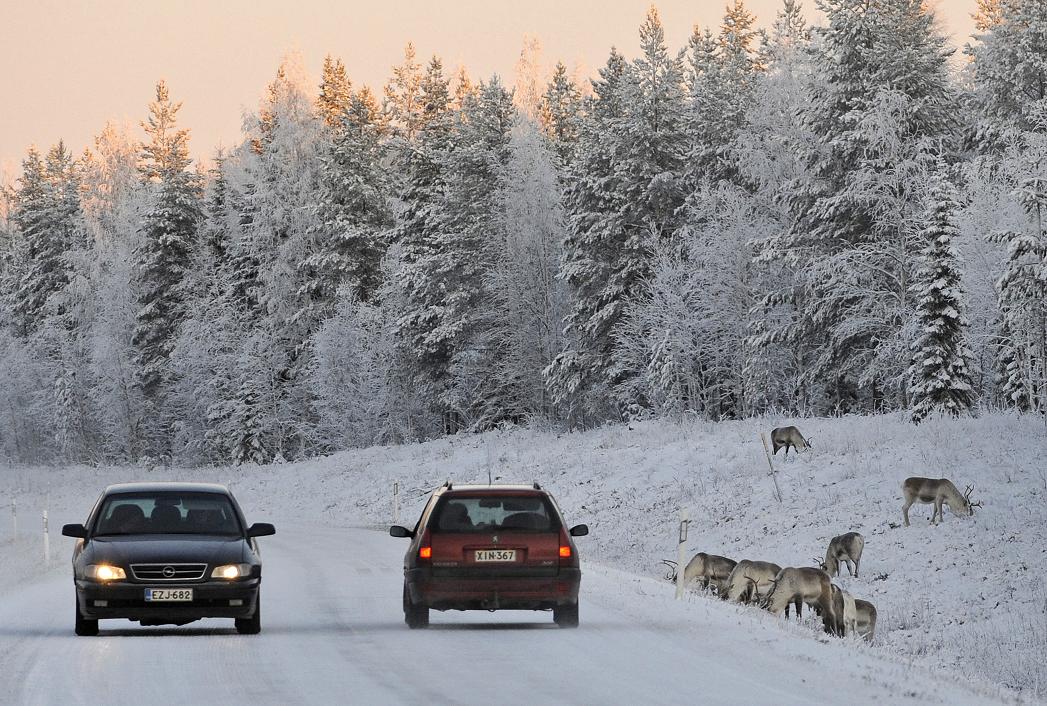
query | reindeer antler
[670, 575]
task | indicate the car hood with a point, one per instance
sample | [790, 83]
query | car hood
[171, 548]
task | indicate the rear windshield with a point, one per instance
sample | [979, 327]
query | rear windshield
[167, 513]
[494, 514]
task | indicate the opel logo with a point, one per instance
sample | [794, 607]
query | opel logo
[168, 572]
[494, 539]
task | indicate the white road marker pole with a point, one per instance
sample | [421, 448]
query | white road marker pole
[681, 552]
[767, 452]
[47, 543]
[14, 518]
[396, 503]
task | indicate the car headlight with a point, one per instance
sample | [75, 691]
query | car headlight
[104, 572]
[231, 571]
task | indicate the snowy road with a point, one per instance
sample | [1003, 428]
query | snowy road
[333, 634]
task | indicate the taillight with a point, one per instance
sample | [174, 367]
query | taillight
[566, 555]
[425, 550]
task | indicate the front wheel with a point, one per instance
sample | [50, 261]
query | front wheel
[84, 627]
[416, 616]
[252, 625]
[566, 616]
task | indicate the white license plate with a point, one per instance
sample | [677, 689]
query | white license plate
[168, 595]
[495, 555]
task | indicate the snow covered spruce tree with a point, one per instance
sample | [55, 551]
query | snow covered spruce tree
[1010, 80]
[623, 195]
[163, 257]
[418, 228]
[47, 213]
[940, 377]
[560, 111]
[883, 112]
[354, 211]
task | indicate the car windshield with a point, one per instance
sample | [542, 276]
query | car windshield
[494, 514]
[167, 513]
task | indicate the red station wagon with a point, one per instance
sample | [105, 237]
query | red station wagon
[491, 547]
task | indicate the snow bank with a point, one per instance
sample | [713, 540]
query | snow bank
[967, 596]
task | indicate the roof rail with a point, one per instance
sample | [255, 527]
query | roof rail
[536, 486]
[447, 484]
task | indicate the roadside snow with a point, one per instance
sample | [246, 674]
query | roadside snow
[967, 596]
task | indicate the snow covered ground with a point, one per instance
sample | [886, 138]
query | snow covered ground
[964, 598]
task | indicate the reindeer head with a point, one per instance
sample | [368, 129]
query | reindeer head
[967, 501]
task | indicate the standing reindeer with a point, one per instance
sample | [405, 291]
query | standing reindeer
[749, 580]
[865, 613]
[846, 611]
[788, 436]
[848, 548]
[709, 568]
[939, 492]
[804, 585]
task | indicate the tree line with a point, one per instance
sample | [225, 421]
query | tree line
[844, 218]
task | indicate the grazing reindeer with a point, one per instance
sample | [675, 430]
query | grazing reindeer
[865, 618]
[709, 568]
[749, 580]
[940, 491]
[846, 611]
[803, 585]
[788, 436]
[848, 548]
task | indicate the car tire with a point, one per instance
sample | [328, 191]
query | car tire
[252, 625]
[83, 626]
[416, 616]
[566, 616]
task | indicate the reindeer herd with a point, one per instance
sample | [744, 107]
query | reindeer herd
[776, 588]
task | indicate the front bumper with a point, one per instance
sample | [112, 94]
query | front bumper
[464, 592]
[211, 599]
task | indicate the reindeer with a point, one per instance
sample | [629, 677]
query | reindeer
[846, 611]
[749, 580]
[709, 568]
[865, 618]
[788, 436]
[847, 547]
[928, 490]
[803, 585]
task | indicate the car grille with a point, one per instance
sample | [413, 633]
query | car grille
[168, 572]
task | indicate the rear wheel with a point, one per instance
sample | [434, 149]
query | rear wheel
[566, 616]
[84, 627]
[416, 616]
[252, 625]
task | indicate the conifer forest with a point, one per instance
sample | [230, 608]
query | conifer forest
[796, 217]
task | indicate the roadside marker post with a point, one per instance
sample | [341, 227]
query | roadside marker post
[770, 464]
[47, 543]
[396, 503]
[14, 518]
[681, 551]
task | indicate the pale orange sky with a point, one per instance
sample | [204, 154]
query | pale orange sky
[71, 65]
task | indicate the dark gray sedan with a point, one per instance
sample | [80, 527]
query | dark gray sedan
[167, 554]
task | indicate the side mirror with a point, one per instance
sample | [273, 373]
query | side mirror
[398, 531]
[579, 530]
[74, 531]
[261, 529]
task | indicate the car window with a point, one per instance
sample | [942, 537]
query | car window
[493, 514]
[167, 513]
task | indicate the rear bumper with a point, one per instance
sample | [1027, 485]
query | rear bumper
[493, 593]
[211, 599]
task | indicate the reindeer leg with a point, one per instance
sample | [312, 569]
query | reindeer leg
[799, 609]
[905, 511]
[851, 567]
[857, 562]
